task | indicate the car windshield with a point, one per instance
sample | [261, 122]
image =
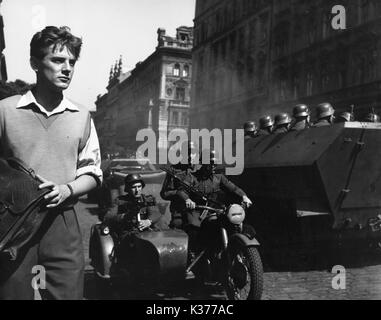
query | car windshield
[133, 165]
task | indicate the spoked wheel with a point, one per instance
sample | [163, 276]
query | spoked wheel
[245, 277]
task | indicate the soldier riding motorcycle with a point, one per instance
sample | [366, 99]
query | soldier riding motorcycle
[225, 248]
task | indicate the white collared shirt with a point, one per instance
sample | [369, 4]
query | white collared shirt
[89, 159]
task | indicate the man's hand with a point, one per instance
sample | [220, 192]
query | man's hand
[144, 224]
[190, 204]
[247, 202]
[58, 195]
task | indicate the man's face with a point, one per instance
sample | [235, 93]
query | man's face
[135, 190]
[56, 69]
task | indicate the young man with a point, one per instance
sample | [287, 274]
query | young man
[58, 140]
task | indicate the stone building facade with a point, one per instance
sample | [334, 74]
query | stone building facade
[155, 94]
[256, 57]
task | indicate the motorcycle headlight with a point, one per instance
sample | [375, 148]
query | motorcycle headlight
[105, 231]
[236, 214]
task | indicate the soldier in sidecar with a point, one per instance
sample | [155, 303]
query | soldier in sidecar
[132, 241]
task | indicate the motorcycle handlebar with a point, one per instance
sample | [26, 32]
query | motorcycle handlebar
[210, 209]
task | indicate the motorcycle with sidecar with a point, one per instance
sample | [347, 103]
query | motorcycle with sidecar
[230, 257]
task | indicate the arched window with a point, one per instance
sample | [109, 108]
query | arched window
[176, 70]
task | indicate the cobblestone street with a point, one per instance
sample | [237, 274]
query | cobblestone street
[363, 279]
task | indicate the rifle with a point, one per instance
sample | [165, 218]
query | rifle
[190, 189]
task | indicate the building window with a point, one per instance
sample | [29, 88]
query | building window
[184, 119]
[186, 71]
[175, 118]
[310, 83]
[240, 72]
[325, 80]
[295, 85]
[180, 94]
[176, 70]
[283, 89]
[241, 41]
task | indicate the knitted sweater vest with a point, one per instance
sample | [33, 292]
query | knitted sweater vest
[49, 145]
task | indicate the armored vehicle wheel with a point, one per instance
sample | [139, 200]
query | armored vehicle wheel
[245, 277]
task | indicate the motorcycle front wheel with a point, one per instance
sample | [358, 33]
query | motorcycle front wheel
[244, 279]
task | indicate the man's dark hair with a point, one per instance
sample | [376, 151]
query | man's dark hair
[51, 35]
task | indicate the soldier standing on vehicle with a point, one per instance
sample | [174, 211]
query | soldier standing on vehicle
[133, 212]
[282, 123]
[324, 114]
[250, 129]
[266, 125]
[344, 117]
[170, 187]
[372, 117]
[213, 186]
[301, 115]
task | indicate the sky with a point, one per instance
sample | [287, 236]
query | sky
[108, 29]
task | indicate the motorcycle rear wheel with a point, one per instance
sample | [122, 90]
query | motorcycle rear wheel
[245, 277]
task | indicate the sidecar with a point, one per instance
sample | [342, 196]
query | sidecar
[159, 256]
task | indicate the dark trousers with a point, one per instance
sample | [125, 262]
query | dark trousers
[58, 249]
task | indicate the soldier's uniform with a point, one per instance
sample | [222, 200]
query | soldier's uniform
[265, 126]
[324, 114]
[300, 125]
[262, 132]
[123, 215]
[250, 129]
[372, 117]
[169, 192]
[344, 117]
[281, 130]
[301, 113]
[282, 123]
[322, 123]
[213, 186]
[123, 218]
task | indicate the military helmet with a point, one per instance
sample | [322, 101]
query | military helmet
[300, 110]
[132, 178]
[282, 118]
[250, 126]
[345, 116]
[266, 122]
[372, 117]
[324, 110]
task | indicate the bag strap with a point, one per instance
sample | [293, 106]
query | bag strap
[18, 164]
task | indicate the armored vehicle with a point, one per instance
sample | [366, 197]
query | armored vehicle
[319, 186]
